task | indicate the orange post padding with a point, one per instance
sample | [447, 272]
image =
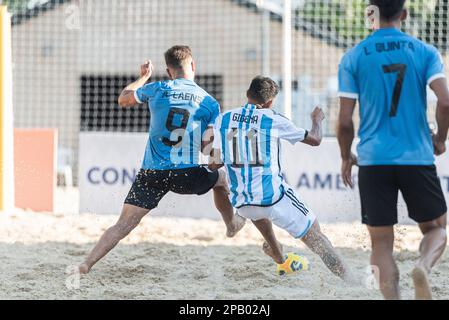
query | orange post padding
[35, 168]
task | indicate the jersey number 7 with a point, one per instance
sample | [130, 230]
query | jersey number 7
[400, 69]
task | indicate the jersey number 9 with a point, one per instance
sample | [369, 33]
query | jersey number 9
[185, 114]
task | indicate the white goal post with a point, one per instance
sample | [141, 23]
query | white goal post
[6, 117]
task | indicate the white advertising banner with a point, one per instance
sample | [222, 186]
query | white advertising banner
[110, 161]
[315, 173]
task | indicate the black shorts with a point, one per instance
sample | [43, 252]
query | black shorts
[150, 186]
[420, 188]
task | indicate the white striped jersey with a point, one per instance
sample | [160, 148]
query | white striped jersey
[249, 141]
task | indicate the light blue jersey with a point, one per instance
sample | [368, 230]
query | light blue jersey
[249, 141]
[180, 113]
[388, 73]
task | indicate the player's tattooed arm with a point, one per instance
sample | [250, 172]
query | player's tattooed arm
[345, 135]
[315, 135]
[439, 86]
[127, 97]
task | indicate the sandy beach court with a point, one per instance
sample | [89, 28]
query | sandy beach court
[173, 258]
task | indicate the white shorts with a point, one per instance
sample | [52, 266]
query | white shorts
[290, 214]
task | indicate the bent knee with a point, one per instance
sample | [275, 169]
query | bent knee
[442, 234]
[317, 242]
[222, 182]
[439, 223]
[222, 177]
[314, 235]
[125, 228]
[435, 228]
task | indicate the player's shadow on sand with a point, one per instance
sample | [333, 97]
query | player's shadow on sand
[151, 270]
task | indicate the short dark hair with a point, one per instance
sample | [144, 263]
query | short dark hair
[262, 89]
[177, 55]
[389, 9]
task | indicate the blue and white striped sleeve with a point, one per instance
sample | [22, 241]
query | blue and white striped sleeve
[286, 130]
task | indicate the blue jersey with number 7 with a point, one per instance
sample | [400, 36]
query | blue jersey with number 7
[180, 113]
[388, 73]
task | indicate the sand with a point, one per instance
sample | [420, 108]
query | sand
[172, 258]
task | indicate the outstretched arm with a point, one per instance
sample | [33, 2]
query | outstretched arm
[127, 98]
[315, 135]
[440, 88]
[345, 135]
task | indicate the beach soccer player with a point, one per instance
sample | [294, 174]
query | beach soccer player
[247, 143]
[388, 74]
[182, 114]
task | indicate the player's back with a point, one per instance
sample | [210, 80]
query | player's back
[180, 112]
[388, 72]
[249, 140]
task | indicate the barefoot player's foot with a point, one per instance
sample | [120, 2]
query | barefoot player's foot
[83, 268]
[422, 286]
[269, 251]
[236, 226]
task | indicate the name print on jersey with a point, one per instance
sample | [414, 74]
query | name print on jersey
[185, 96]
[237, 117]
[381, 47]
